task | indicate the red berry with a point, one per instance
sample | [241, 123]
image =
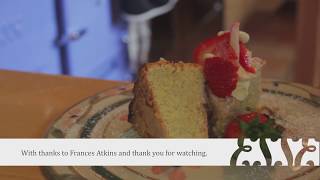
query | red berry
[218, 46]
[244, 59]
[251, 116]
[221, 76]
[233, 130]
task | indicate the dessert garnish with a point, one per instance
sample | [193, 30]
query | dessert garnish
[226, 60]
[218, 46]
[253, 125]
[244, 59]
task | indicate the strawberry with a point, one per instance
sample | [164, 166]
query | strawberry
[218, 46]
[219, 56]
[244, 59]
[233, 130]
[221, 76]
[253, 125]
[250, 116]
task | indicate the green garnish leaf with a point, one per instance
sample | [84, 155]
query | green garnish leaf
[255, 129]
[244, 126]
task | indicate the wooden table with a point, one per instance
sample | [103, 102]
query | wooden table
[29, 103]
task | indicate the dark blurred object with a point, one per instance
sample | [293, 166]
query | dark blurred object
[177, 33]
[138, 14]
[137, 7]
[273, 38]
[242, 10]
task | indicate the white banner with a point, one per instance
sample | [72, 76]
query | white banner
[156, 152]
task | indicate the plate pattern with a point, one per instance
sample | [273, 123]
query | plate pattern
[105, 116]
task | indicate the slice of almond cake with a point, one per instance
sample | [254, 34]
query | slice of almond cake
[169, 101]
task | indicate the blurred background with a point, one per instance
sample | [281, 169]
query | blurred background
[110, 39]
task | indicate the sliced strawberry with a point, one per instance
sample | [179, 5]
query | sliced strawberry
[244, 59]
[221, 57]
[218, 46]
[221, 76]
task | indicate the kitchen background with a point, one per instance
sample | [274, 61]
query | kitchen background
[110, 39]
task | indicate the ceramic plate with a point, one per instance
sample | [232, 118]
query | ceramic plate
[105, 116]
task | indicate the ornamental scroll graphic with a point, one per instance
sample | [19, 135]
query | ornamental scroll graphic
[280, 152]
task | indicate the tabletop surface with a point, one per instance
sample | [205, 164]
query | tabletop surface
[30, 102]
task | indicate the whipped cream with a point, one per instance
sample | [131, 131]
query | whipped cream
[242, 89]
